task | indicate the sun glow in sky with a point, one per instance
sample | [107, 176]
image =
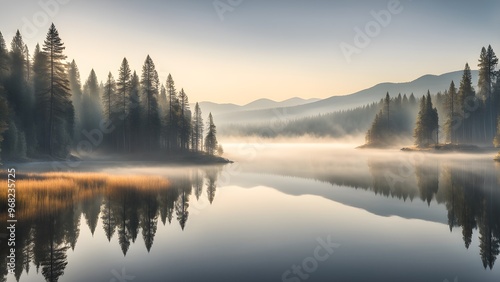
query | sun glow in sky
[251, 49]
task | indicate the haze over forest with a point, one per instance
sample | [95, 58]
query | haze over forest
[261, 44]
[48, 111]
[238, 140]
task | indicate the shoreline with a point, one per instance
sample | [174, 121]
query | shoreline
[439, 149]
[182, 159]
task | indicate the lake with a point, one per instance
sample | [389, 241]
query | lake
[281, 212]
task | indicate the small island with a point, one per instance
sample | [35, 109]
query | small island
[465, 128]
[446, 148]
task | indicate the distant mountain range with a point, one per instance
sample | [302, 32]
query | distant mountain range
[264, 110]
[261, 104]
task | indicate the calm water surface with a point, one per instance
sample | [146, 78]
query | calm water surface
[280, 213]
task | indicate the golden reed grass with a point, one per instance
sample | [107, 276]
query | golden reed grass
[53, 191]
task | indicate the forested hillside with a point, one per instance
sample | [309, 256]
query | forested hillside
[337, 124]
[46, 112]
[460, 115]
[457, 116]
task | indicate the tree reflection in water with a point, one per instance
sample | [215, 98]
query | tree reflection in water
[52, 204]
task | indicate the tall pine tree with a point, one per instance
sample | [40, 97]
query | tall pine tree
[185, 119]
[451, 106]
[55, 97]
[4, 66]
[109, 98]
[75, 86]
[91, 112]
[427, 128]
[123, 91]
[134, 117]
[149, 82]
[197, 125]
[487, 74]
[466, 100]
[171, 123]
[211, 143]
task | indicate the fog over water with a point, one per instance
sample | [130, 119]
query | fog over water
[393, 215]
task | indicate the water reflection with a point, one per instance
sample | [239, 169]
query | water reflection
[468, 186]
[470, 192]
[53, 204]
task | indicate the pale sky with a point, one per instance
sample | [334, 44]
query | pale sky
[262, 48]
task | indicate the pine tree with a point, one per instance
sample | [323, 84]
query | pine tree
[495, 100]
[108, 218]
[54, 261]
[420, 138]
[433, 127]
[451, 108]
[4, 67]
[134, 117]
[56, 98]
[20, 99]
[211, 176]
[17, 45]
[405, 101]
[487, 64]
[171, 126]
[163, 101]
[466, 96]
[109, 103]
[387, 107]
[29, 118]
[197, 135]
[109, 97]
[163, 104]
[393, 122]
[182, 208]
[28, 69]
[149, 220]
[91, 87]
[211, 138]
[75, 86]
[91, 111]
[41, 84]
[185, 119]
[123, 91]
[427, 123]
[17, 83]
[413, 100]
[150, 89]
